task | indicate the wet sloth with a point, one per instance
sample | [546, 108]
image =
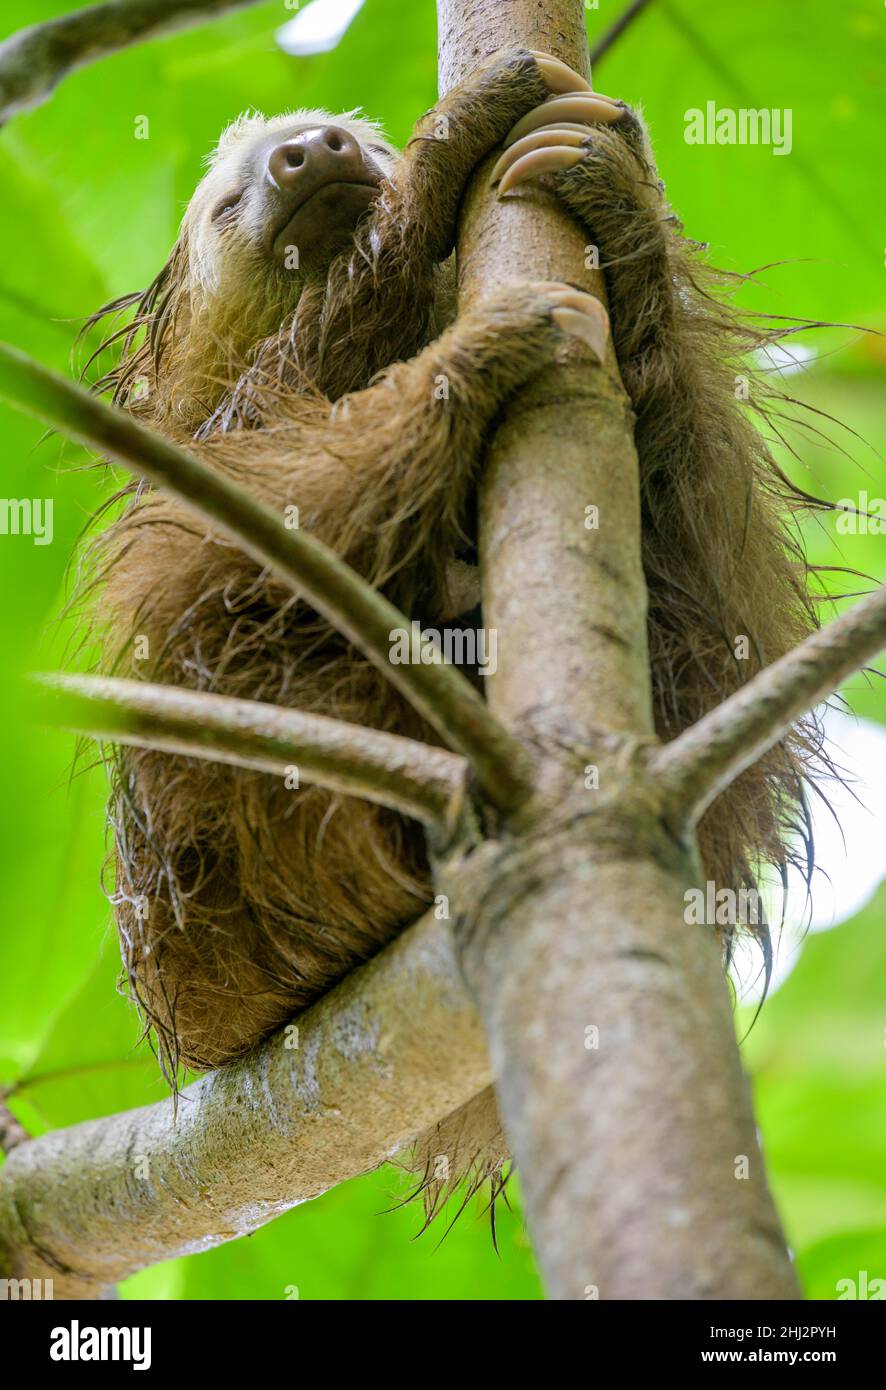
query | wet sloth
[294, 339]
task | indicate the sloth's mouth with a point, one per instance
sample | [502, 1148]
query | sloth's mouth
[324, 216]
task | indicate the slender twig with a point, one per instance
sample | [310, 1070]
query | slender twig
[12, 1131]
[34, 61]
[616, 30]
[400, 773]
[437, 690]
[29, 1081]
[742, 94]
[707, 757]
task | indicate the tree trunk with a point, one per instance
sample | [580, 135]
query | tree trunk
[608, 1019]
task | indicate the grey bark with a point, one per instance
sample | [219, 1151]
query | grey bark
[379, 1059]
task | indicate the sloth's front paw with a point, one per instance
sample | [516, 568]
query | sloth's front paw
[556, 136]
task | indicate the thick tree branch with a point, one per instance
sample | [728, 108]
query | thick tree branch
[702, 761]
[608, 1020]
[384, 1056]
[578, 419]
[34, 61]
[437, 690]
[400, 773]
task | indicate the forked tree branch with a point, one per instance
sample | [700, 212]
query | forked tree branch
[437, 690]
[703, 761]
[34, 61]
[401, 773]
[381, 1058]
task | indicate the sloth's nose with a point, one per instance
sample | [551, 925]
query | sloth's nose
[321, 155]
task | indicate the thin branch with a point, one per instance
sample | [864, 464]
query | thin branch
[706, 758]
[34, 61]
[12, 1131]
[400, 773]
[379, 1060]
[615, 32]
[437, 690]
[29, 1081]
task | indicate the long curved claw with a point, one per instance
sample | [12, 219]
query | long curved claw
[538, 162]
[588, 330]
[579, 107]
[557, 75]
[581, 316]
[548, 136]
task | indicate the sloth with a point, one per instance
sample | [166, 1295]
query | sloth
[294, 340]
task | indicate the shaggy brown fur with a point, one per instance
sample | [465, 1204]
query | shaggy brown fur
[239, 901]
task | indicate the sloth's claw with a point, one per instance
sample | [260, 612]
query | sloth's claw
[583, 108]
[579, 315]
[557, 75]
[528, 158]
[532, 166]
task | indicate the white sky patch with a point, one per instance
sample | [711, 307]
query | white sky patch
[318, 27]
[785, 359]
[850, 866]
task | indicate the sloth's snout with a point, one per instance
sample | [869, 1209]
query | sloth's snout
[325, 154]
[321, 183]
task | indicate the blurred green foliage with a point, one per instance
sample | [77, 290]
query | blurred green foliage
[88, 212]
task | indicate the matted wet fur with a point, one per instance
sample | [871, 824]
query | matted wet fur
[238, 900]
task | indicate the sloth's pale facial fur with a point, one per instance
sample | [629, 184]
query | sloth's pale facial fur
[280, 199]
[282, 196]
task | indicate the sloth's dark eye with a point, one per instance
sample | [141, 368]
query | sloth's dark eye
[225, 205]
[379, 149]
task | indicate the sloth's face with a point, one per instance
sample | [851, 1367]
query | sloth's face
[283, 195]
[280, 199]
